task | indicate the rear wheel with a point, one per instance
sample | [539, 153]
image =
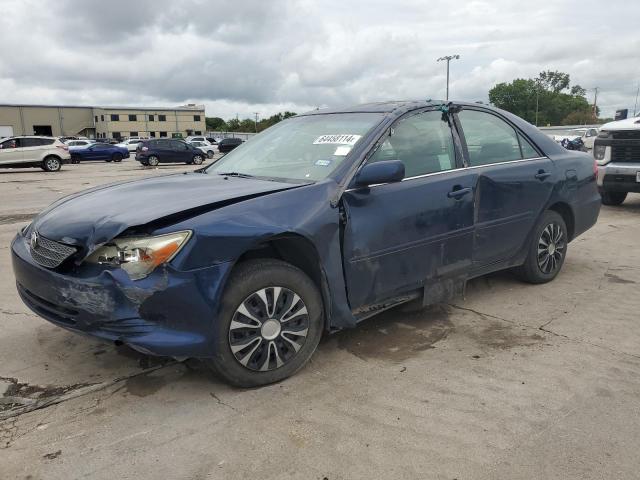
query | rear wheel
[153, 161]
[270, 324]
[197, 160]
[51, 164]
[547, 249]
[210, 154]
[116, 157]
[613, 198]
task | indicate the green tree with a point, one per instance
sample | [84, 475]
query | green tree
[548, 94]
[216, 124]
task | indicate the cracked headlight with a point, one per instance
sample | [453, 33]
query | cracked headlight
[139, 256]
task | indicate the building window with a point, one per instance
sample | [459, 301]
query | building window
[96, 118]
[115, 118]
[115, 134]
[196, 118]
[133, 118]
[133, 134]
[152, 134]
[163, 134]
[151, 118]
[197, 132]
[162, 118]
[102, 118]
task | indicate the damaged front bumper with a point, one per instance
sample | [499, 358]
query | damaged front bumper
[168, 313]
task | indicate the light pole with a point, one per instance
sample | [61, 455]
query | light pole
[448, 58]
[256, 121]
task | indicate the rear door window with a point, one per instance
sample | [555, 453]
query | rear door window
[423, 142]
[489, 139]
[31, 142]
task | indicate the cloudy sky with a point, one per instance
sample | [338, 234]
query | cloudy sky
[270, 55]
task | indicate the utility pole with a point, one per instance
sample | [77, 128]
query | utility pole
[256, 121]
[635, 106]
[595, 104]
[537, 100]
[448, 58]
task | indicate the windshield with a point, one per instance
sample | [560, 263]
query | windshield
[304, 148]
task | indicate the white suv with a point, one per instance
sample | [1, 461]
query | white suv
[30, 151]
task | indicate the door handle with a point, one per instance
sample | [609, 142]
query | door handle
[458, 192]
[541, 175]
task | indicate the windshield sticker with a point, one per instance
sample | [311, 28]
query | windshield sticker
[342, 150]
[341, 139]
[323, 163]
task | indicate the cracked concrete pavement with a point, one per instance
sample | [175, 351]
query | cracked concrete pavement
[511, 381]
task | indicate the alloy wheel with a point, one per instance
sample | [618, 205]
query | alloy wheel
[268, 328]
[52, 164]
[197, 159]
[551, 248]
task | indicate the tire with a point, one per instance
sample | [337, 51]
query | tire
[197, 160]
[612, 198]
[210, 154]
[51, 164]
[153, 161]
[116, 157]
[544, 262]
[272, 353]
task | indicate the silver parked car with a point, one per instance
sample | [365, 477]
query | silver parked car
[47, 153]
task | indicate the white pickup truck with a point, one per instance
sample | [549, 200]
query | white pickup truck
[617, 152]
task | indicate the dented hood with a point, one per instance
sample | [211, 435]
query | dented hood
[96, 216]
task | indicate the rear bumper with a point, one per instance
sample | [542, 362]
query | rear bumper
[619, 177]
[169, 313]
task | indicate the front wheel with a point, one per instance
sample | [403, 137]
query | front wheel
[51, 164]
[116, 157]
[270, 324]
[153, 161]
[613, 198]
[547, 249]
[197, 160]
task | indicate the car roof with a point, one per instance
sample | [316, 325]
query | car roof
[31, 136]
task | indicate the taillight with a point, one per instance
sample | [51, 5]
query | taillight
[63, 147]
[595, 168]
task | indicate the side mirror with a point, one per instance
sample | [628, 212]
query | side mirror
[387, 171]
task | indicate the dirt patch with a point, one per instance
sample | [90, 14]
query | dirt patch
[395, 335]
[53, 455]
[616, 279]
[16, 218]
[144, 385]
[19, 394]
[503, 336]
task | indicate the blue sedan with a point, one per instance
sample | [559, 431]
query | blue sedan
[312, 226]
[99, 151]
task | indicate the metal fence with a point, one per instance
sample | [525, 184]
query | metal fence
[242, 135]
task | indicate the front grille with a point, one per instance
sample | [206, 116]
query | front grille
[625, 153]
[48, 253]
[626, 135]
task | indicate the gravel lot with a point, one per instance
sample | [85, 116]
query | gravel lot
[512, 381]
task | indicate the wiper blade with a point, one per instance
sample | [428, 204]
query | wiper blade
[236, 174]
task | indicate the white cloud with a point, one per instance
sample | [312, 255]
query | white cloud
[265, 56]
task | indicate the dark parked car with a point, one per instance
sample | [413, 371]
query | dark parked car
[316, 224]
[227, 144]
[99, 151]
[155, 151]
